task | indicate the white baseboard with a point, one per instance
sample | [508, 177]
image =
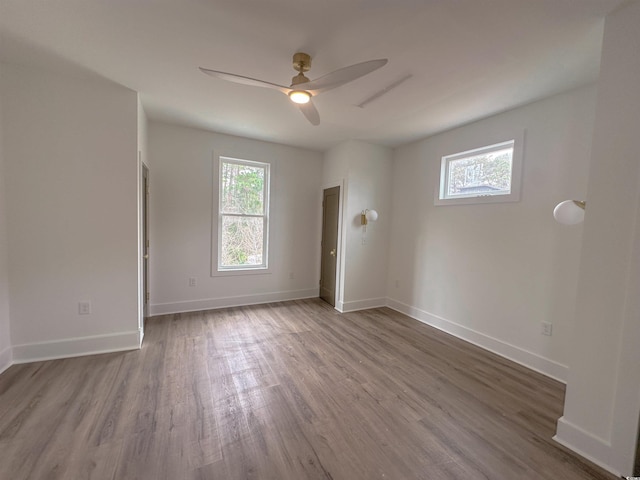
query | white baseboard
[589, 446]
[238, 301]
[356, 305]
[76, 347]
[6, 359]
[530, 360]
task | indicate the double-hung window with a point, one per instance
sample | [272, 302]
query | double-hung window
[243, 216]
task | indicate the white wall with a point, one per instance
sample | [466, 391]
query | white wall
[5, 331]
[364, 171]
[491, 273]
[602, 403]
[142, 130]
[181, 221]
[70, 152]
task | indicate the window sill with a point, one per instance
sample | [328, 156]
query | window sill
[479, 200]
[240, 273]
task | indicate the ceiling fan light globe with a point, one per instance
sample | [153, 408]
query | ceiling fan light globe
[300, 96]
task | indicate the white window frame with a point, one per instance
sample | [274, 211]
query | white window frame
[440, 196]
[216, 268]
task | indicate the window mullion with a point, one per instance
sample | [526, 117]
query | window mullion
[244, 215]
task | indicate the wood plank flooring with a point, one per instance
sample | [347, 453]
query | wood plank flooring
[286, 391]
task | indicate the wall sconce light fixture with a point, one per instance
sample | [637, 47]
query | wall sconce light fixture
[368, 216]
[570, 212]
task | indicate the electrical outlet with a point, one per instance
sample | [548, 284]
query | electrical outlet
[193, 282]
[84, 308]
[546, 328]
[364, 240]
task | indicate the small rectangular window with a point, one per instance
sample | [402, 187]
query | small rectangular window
[481, 175]
[243, 220]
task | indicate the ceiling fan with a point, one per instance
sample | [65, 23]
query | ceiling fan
[302, 89]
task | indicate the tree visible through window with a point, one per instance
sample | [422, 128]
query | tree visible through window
[487, 173]
[243, 218]
[482, 172]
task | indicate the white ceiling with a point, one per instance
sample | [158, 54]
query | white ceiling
[467, 58]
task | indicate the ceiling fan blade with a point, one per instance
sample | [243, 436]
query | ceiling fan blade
[232, 77]
[343, 75]
[309, 110]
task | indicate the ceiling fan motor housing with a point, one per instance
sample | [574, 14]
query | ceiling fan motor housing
[301, 62]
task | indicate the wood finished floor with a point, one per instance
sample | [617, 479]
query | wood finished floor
[286, 391]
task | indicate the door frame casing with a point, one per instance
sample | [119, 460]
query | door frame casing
[339, 293]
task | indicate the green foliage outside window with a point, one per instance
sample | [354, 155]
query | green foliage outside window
[242, 206]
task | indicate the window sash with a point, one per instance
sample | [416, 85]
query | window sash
[448, 160]
[509, 193]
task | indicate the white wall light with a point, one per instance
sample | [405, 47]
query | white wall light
[368, 216]
[569, 212]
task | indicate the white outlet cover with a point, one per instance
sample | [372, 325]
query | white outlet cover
[84, 308]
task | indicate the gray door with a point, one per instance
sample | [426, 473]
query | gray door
[330, 206]
[145, 239]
